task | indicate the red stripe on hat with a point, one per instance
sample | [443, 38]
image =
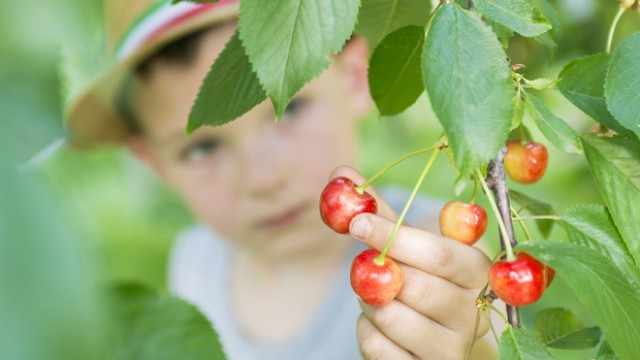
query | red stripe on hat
[197, 9]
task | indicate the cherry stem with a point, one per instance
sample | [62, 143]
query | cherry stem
[392, 236]
[499, 313]
[493, 331]
[475, 191]
[361, 188]
[614, 25]
[522, 223]
[499, 255]
[503, 229]
[541, 217]
[475, 335]
[482, 295]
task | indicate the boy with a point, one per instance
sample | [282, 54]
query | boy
[263, 267]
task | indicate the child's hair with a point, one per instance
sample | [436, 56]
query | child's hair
[181, 51]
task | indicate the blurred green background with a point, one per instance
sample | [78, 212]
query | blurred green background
[128, 220]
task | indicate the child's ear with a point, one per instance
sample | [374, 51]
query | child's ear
[354, 64]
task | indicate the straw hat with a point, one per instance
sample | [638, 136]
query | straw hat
[136, 29]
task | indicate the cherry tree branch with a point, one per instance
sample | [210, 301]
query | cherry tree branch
[497, 183]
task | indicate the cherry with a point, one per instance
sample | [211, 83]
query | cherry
[376, 284]
[525, 163]
[521, 281]
[340, 202]
[463, 222]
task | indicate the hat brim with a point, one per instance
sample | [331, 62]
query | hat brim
[92, 117]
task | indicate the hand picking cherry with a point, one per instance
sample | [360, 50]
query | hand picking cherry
[463, 222]
[340, 202]
[376, 284]
[526, 163]
[519, 282]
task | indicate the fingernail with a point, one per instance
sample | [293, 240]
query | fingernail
[360, 227]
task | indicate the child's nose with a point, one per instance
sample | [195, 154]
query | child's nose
[266, 165]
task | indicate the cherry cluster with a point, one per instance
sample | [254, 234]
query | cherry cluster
[523, 280]
[375, 282]
[377, 279]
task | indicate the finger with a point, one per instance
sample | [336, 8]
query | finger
[415, 332]
[384, 209]
[435, 298]
[374, 345]
[434, 254]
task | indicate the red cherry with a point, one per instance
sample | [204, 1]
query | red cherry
[340, 202]
[518, 282]
[526, 163]
[375, 284]
[463, 222]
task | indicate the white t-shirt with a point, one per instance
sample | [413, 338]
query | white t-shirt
[198, 274]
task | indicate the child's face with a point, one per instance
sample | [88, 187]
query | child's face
[254, 181]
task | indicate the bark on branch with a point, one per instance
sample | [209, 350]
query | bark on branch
[498, 185]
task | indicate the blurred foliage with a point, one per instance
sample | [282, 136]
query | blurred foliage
[152, 326]
[129, 219]
[47, 287]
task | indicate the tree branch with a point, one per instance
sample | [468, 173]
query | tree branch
[497, 183]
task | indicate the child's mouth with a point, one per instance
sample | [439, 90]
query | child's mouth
[284, 218]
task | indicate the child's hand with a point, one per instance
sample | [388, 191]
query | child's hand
[434, 315]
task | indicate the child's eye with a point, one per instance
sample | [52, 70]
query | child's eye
[200, 149]
[295, 107]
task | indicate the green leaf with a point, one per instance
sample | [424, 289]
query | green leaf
[469, 83]
[582, 83]
[550, 13]
[518, 116]
[289, 41]
[540, 83]
[520, 133]
[521, 344]
[622, 86]
[378, 18]
[48, 305]
[611, 300]
[584, 338]
[230, 89]
[395, 77]
[503, 33]
[559, 328]
[592, 226]
[554, 128]
[520, 16]
[547, 41]
[553, 17]
[615, 164]
[605, 352]
[157, 327]
[535, 207]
